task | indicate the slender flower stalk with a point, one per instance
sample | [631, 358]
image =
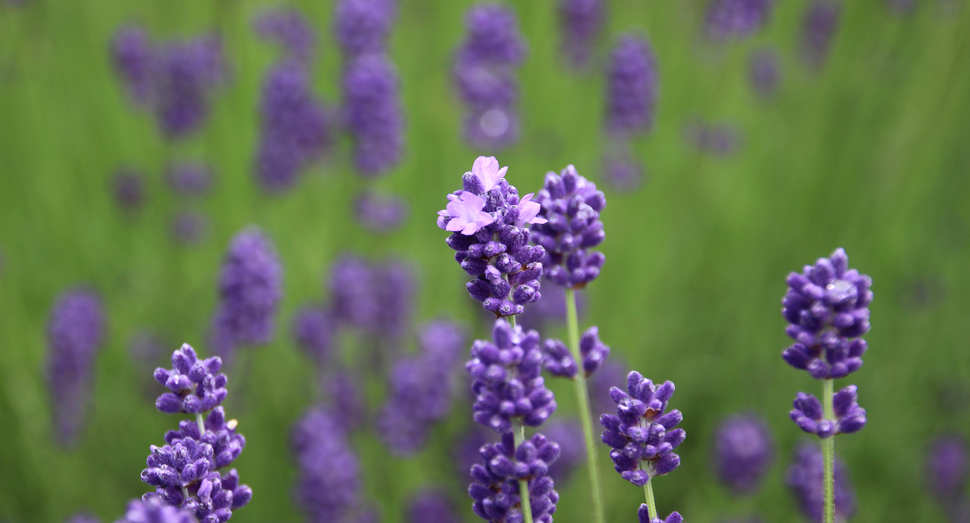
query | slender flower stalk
[828, 456]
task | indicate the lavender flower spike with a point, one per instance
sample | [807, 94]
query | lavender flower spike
[632, 87]
[431, 506]
[152, 509]
[492, 240]
[850, 417]
[328, 483]
[290, 29]
[819, 24]
[581, 22]
[372, 113]
[496, 488]
[570, 205]
[744, 452]
[947, 468]
[194, 383]
[75, 332]
[362, 26]
[827, 307]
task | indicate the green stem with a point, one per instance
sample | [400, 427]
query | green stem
[198, 420]
[518, 433]
[651, 503]
[828, 453]
[585, 415]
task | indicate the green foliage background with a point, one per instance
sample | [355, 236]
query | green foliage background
[871, 154]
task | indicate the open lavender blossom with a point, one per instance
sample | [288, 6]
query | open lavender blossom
[372, 113]
[827, 307]
[727, 19]
[496, 488]
[328, 471]
[290, 29]
[641, 435]
[632, 87]
[196, 385]
[744, 452]
[947, 468]
[152, 509]
[850, 417]
[559, 362]
[581, 23]
[805, 479]
[570, 206]
[490, 232]
[507, 379]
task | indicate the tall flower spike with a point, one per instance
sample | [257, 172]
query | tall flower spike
[314, 329]
[372, 114]
[947, 468]
[827, 306]
[744, 452]
[188, 74]
[492, 241]
[571, 206]
[632, 87]
[328, 481]
[362, 26]
[805, 480]
[581, 23]
[495, 490]
[850, 417]
[75, 332]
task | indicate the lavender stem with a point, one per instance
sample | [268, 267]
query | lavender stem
[828, 453]
[585, 415]
[198, 420]
[651, 503]
[518, 432]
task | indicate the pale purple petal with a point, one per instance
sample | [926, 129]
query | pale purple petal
[528, 210]
[487, 170]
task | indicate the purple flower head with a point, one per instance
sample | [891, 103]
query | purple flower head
[75, 332]
[314, 329]
[295, 126]
[188, 73]
[507, 379]
[850, 417]
[644, 516]
[380, 214]
[947, 468]
[827, 307]
[581, 23]
[289, 29]
[421, 389]
[744, 452]
[362, 26]
[129, 190]
[572, 451]
[376, 298]
[328, 480]
[189, 227]
[152, 509]
[431, 506]
[642, 436]
[189, 178]
[819, 25]
[559, 362]
[495, 490]
[728, 19]
[212, 498]
[492, 35]
[493, 245]
[805, 479]
[250, 288]
[571, 206]
[133, 58]
[764, 72]
[372, 114]
[632, 87]
[196, 385]
[349, 405]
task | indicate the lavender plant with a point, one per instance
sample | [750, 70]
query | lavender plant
[185, 471]
[827, 310]
[328, 478]
[631, 97]
[643, 438]
[744, 452]
[819, 24]
[372, 113]
[946, 473]
[581, 23]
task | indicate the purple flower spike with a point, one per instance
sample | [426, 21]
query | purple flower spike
[827, 307]
[380, 214]
[250, 288]
[644, 516]
[431, 506]
[290, 29]
[764, 73]
[194, 383]
[314, 329]
[581, 23]
[571, 206]
[372, 113]
[947, 468]
[632, 87]
[819, 25]
[744, 452]
[642, 436]
[129, 190]
[133, 58]
[75, 332]
[189, 178]
[151, 509]
[495, 490]
[805, 480]
[362, 26]
[328, 481]
[188, 74]
[507, 381]
[736, 19]
[492, 241]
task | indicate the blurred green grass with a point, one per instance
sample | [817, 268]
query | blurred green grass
[871, 154]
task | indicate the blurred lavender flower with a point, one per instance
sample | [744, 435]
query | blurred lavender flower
[744, 452]
[375, 298]
[314, 329]
[188, 73]
[431, 506]
[421, 389]
[947, 468]
[550, 310]
[581, 23]
[395, 293]
[719, 139]
[362, 26]
[764, 72]
[189, 178]
[901, 7]
[612, 374]
[380, 214]
[83, 518]
[349, 405]
[633, 84]
[129, 190]
[819, 25]
[289, 29]
[572, 451]
[250, 288]
[328, 480]
[727, 19]
[295, 127]
[372, 113]
[75, 332]
[805, 479]
[622, 173]
[484, 72]
[189, 227]
[132, 55]
[827, 307]
[146, 349]
[152, 509]
[496, 484]
[465, 452]
[571, 206]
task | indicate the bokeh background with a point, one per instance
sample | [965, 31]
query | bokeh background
[870, 152]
